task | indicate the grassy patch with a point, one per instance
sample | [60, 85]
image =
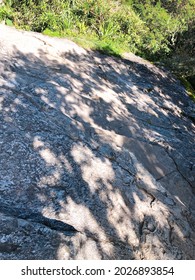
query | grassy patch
[89, 42]
[155, 30]
[51, 33]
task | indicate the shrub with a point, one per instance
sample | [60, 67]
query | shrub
[150, 28]
[6, 13]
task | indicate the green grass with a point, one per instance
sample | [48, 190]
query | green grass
[51, 33]
[90, 42]
[110, 26]
[9, 22]
[154, 30]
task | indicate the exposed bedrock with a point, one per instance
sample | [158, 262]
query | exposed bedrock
[97, 154]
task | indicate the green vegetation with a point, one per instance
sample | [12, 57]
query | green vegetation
[6, 13]
[155, 29]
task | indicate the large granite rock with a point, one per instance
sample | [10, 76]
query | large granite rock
[97, 154]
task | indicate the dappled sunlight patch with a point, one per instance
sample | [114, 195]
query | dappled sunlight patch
[40, 90]
[87, 249]
[146, 177]
[66, 163]
[99, 175]
[37, 143]
[142, 204]
[51, 160]
[51, 180]
[77, 84]
[47, 101]
[48, 156]
[122, 218]
[63, 252]
[83, 111]
[81, 153]
[82, 218]
[11, 83]
[96, 172]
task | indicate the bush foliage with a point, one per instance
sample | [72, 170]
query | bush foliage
[155, 29]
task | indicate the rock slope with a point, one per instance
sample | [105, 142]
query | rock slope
[97, 154]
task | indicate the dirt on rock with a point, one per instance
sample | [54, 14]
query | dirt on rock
[97, 154]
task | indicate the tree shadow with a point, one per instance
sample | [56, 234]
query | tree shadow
[96, 143]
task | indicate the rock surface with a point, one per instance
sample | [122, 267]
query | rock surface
[97, 154]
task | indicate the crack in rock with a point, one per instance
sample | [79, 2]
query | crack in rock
[53, 224]
[178, 169]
